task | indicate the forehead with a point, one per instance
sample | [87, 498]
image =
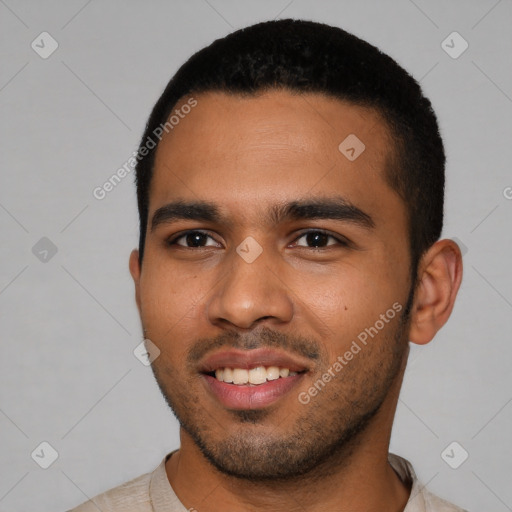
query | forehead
[247, 153]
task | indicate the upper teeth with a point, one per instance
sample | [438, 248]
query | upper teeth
[257, 375]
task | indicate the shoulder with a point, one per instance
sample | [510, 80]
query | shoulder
[436, 504]
[421, 499]
[129, 497]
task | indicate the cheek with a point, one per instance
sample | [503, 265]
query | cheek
[347, 301]
[168, 317]
[165, 296]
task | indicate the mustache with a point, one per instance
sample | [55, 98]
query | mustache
[261, 338]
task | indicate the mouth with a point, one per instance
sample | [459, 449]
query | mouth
[251, 379]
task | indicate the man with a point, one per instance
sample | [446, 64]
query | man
[290, 189]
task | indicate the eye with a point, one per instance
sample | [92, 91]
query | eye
[319, 239]
[315, 239]
[192, 239]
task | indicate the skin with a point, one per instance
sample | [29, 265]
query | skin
[246, 155]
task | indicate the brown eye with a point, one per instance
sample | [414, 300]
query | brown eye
[319, 239]
[192, 239]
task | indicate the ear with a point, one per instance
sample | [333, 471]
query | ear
[135, 272]
[439, 278]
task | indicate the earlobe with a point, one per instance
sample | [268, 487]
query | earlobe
[439, 278]
[135, 273]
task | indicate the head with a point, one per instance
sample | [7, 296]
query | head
[291, 202]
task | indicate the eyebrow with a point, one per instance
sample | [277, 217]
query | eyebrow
[329, 208]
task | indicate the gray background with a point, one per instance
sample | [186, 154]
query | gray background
[69, 324]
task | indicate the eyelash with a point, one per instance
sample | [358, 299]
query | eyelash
[342, 242]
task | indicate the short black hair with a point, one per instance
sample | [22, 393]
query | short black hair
[309, 57]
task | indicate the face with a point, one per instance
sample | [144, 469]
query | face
[275, 278]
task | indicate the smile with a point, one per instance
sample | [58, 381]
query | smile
[251, 379]
[246, 395]
[254, 376]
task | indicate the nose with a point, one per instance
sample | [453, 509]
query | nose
[250, 293]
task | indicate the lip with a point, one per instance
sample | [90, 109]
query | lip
[248, 359]
[240, 397]
[234, 396]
